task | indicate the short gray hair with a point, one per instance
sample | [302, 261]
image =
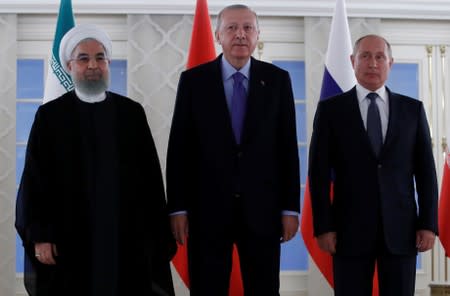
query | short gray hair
[234, 7]
[356, 46]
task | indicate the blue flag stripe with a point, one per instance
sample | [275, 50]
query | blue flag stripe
[329, 86]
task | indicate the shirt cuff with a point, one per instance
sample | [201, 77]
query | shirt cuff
[178, 213]
[290, 213]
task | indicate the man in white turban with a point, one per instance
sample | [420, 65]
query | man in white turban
[91, 206]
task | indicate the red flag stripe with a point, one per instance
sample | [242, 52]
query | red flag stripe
[444, 207]
[179, 261]
[322, 260]
[201, 49]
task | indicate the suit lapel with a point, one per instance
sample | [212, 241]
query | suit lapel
[256, 99]
[213, 85]
[353, 109]
[216, 85]
[393, 122]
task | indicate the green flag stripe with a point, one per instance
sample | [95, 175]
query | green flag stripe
[65, 22]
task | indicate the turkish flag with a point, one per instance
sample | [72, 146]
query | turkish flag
[201, 50]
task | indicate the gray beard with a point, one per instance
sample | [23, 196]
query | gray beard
[90, 87]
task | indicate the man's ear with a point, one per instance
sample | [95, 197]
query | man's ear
[217, 37]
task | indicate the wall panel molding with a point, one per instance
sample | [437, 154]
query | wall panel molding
[7, 153]
[404, 9]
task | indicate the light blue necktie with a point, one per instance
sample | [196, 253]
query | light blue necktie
[374, 124]
[238, 105]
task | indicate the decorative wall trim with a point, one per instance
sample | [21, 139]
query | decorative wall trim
[404, 9]
[7, 151]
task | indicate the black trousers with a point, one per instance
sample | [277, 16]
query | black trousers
[353, 275]
[210, 259]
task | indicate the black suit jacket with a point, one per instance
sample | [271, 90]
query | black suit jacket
[371, 192]
[204, 164]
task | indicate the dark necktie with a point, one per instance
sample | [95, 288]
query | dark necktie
[374, 124]
[238, 105]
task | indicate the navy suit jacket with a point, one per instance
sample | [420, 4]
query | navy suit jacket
[371, 192]
[204, 163]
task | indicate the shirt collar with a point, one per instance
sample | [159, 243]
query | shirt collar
[90, 98]
[362, 92]
[228, 70]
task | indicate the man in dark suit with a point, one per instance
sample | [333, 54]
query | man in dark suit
[375, 145]
[234, 180]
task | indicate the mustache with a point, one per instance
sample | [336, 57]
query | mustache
[93, 72]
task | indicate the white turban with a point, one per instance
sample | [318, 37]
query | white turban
[78, 33]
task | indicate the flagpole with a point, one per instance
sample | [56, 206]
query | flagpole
[444, 130]
[443, 287]
[443, 97]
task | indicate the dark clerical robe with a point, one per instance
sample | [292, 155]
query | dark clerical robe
[92, 186]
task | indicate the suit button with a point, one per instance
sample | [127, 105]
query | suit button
[240, 153]
[237, 195]
[379, 166]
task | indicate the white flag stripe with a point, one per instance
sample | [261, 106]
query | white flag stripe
[58, 81]
[339, 49]
[53, 85]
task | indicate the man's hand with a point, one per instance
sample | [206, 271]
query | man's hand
[327, 242]
[180, 227]
[45, 253]
[424, 240]
[290, 227]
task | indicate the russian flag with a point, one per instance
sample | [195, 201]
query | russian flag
[338, 77]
